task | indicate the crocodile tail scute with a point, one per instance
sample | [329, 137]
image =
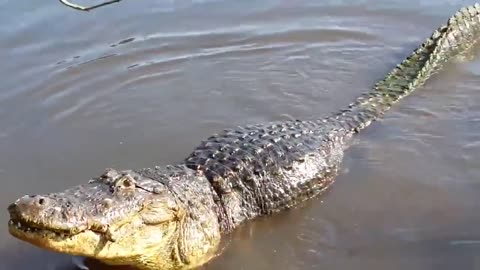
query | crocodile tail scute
[449, 41]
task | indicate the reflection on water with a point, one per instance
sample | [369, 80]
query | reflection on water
[139, 84]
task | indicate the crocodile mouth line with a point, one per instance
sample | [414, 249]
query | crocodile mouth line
[26, 229]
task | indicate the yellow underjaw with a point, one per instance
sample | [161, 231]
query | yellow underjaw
[87, 243]
[48, 239]
[138, 244]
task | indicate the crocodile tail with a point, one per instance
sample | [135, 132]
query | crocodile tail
[450, 40]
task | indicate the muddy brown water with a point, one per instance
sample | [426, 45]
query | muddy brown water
[141, 83]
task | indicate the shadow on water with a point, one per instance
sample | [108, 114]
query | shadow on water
[36, 259]
[26, 257]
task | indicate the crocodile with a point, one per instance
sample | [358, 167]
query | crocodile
[176, 216]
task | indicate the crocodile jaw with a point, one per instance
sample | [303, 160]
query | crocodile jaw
[77, 244]
[136, 244]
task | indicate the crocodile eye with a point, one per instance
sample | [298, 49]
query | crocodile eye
[126, 182]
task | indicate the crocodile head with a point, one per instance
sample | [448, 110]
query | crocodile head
[118, 218]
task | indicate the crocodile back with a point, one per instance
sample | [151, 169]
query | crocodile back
[261, 169]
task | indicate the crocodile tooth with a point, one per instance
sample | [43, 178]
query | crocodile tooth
[19, 225]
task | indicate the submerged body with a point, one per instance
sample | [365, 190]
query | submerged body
[174, 217]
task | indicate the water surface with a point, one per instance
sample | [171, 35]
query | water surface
[141, 83]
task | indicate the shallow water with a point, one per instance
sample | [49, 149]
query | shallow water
[141, 83]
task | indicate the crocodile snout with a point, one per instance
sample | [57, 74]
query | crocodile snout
[30, 205]
[45, 212]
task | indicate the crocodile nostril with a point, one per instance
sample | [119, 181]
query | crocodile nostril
[41, 201]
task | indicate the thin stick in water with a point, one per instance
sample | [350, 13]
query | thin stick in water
[87, 8]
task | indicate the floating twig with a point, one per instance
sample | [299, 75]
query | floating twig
[87, 8]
